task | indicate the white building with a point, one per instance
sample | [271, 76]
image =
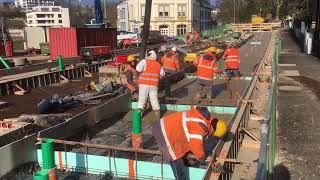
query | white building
[48, 16]
[171, 17]
[123, 19]
[27, 5]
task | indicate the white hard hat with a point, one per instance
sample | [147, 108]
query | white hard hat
[174, 49]
[152, 55]
[163, 48]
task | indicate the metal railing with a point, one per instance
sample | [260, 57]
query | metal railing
[231, 148]
[268, 128]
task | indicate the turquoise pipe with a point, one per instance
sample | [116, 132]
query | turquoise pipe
[5, 63]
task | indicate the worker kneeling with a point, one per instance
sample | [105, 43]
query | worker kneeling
[131, 73]
[192, 131]
[149, 78]
[207, 67]
[170, 61]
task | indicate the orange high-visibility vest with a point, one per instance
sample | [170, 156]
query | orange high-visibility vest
[134, 77]
[170, 64]
[151, 74]
[231, 57]
[184, 132]
[206, 68]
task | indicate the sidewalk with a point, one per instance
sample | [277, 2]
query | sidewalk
[298, 128]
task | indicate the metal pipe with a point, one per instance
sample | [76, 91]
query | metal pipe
[146, 28]
[136, 129]
[102, 146]
[47, 153]
[5, 63]
[60, 62]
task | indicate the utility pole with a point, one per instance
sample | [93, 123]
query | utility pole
[4, 35]
[146, 28]
[234, 11]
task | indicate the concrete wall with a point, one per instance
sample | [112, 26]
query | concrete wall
[34, 36]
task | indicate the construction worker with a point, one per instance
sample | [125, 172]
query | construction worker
[193, 131]
[131, 73]
[150, 72]
[196, 36]
[207, 67]
[232, 62]
[170, 61]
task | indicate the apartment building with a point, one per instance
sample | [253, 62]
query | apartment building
[27, 5]
[170, 17]
[123, 19]
[48, 16]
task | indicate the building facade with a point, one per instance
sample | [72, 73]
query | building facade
[48, 16]
[27, 5]
[123, 19]
[171, 18]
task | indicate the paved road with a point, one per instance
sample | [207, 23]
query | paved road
[299, 112]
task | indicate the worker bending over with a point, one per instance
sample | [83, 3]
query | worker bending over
[207, 67]
[170, 61]
[193, 131]
[232, 62]
[131, 73]
[151, 71]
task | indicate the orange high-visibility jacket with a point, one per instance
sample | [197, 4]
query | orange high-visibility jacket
[151, 74]
[231, 57]
[170, 64]
[206, 69]
[184, 132]
[131, 87]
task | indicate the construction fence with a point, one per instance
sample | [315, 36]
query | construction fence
[267, 154]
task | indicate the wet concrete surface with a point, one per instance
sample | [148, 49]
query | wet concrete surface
[27, 104]
[298, 148]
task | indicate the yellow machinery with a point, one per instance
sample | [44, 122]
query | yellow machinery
[257, 19]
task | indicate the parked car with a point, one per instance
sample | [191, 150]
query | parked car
[156, 38]
[123, 36]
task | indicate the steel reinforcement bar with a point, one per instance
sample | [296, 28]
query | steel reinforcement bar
[35, 80]
[230, 149]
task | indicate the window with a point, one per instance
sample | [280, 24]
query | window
[30, 22]
[142, 11]
[59, 15]
[45, 9]
[40, 16]
[60, 21]
[182, 10]
[181, 29]
[123, 26]
[55, 9]
[41, 21]
[164, 10]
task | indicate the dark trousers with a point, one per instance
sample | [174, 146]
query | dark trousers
[178, 166]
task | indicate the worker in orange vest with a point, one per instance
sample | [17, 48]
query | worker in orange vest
[170, 61]
[193, 131]
[232, 62]
[196, 35]
[207, 67]
[150, 72]
[131, 73]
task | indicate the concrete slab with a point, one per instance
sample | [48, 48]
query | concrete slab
[289, 73]
[290, 88]
[287, 65]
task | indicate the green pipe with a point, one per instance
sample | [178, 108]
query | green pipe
[60, 62]
[48, 153]
[5, 63]
[136, 121]
[41, 175]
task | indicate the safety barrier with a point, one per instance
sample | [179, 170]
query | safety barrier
[217, 31]
[222, 165]
[268, 127]
[256, 27]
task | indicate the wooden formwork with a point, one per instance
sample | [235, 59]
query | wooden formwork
[256, 27]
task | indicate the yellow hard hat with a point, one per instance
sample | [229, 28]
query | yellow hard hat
[131, 58]
[212, 49]
[221, 129]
